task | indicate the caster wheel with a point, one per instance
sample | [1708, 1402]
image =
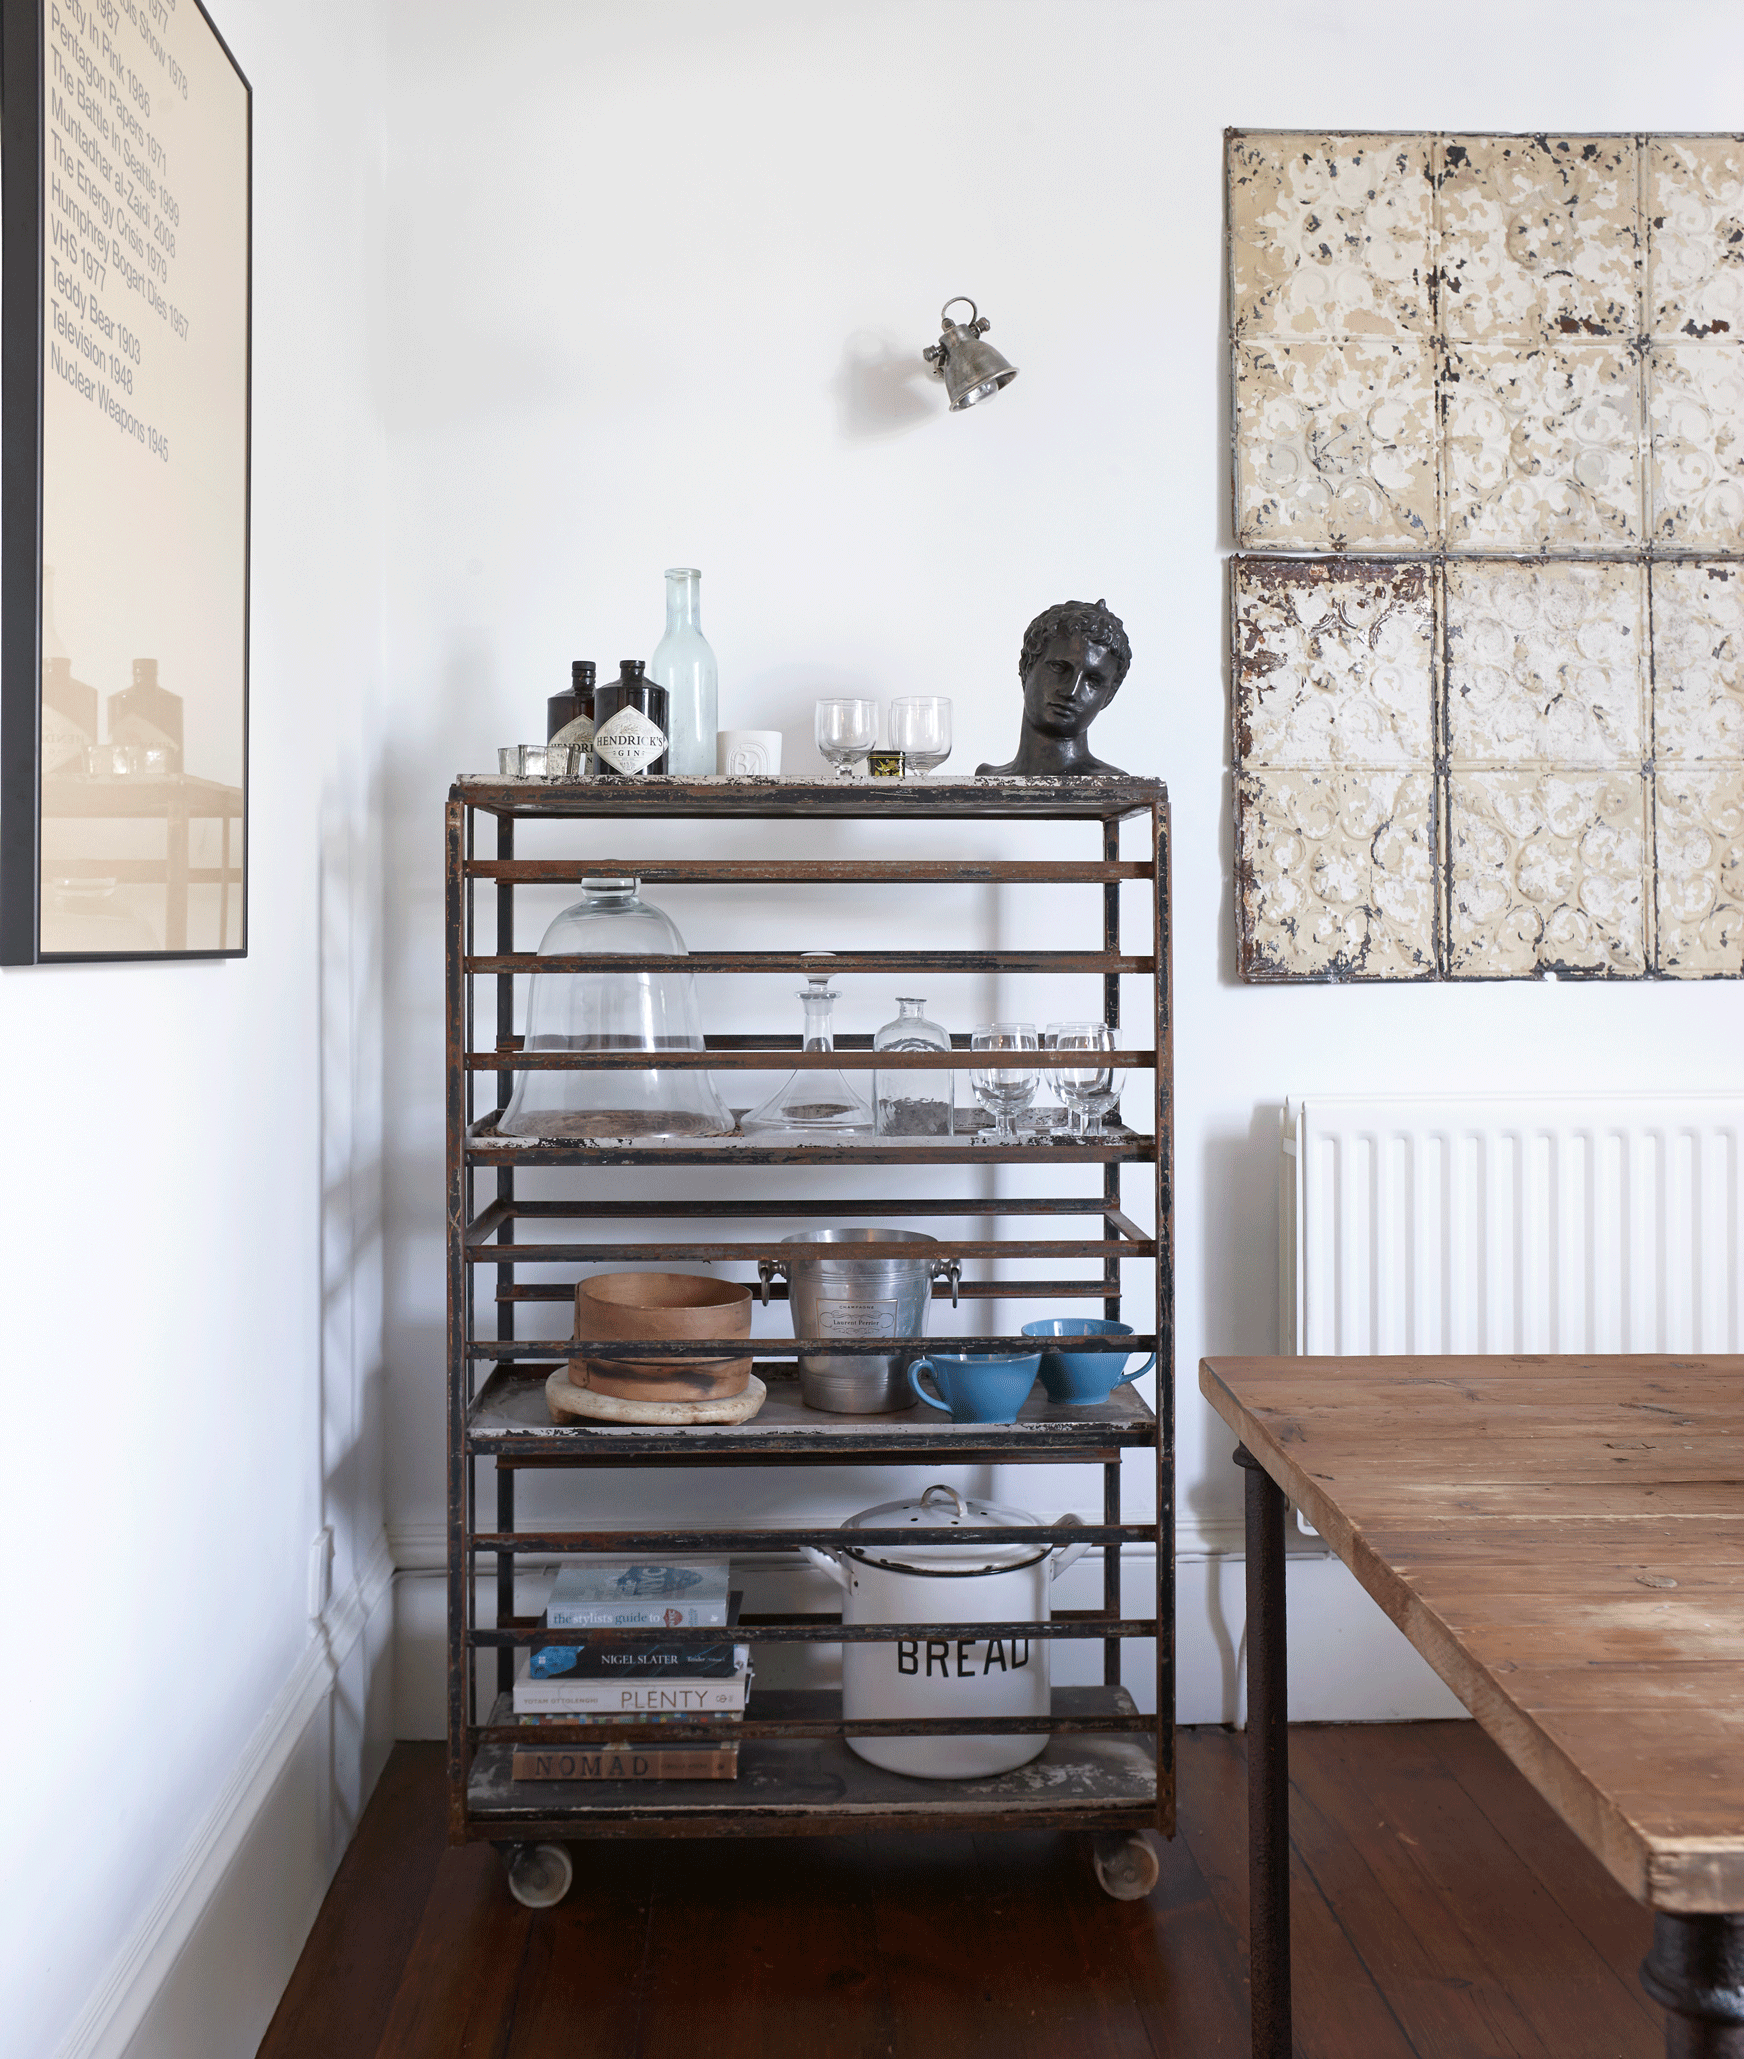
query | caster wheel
[539, 1875]
[1127, 1867]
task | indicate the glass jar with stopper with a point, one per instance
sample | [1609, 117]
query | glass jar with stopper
[815, 1100]
[913, 1101]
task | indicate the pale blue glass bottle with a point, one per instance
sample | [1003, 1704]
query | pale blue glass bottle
[685, 666]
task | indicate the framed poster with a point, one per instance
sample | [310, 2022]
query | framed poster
[126, 206]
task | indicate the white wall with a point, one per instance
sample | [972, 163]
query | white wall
[657, 279]
[190, 1249]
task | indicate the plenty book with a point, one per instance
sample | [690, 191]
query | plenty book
[625, 1762]
[636, 1699]
[639, 1594]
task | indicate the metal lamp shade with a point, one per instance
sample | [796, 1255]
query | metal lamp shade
[970, 367]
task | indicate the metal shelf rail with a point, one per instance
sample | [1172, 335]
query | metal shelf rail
[1111, 1767]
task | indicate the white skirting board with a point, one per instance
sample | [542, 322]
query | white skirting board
[1348, 1664]
[206, 1965]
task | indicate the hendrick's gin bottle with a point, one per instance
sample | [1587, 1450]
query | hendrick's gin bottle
[632, 724]
[569, 716]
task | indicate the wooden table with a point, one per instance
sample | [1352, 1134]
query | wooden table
[1563, 1540]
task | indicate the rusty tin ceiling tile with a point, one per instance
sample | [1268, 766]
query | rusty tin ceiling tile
[1542, 446]
[1698, 663]
[1335, 875]
[1695, 213]
[1695, 411]
[1546, 664]
[1329, 236]
[1335, 446]
[1546, 874]
[1699, 849]
[1334, 662]
[1538, 238]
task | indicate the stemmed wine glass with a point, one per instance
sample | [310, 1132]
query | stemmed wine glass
[1005, 1091]
[1089, 1091]
[846, 731]
[920, 728]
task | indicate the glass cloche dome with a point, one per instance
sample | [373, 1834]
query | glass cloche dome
[613, 1011]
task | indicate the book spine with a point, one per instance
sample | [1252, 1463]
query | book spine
[666, 1662]
[673, 1762]
[565, 1694]
[635, 1616]
[556, 1725]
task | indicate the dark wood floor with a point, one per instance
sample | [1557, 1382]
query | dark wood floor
[1440, 1910]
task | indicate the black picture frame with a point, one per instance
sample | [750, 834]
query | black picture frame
[26, 182]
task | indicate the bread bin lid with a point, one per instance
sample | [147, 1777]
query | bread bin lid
[933, 1516]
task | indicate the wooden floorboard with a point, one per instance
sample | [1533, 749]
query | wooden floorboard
[1440, 1911]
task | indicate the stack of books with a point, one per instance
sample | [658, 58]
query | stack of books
[577, 1691]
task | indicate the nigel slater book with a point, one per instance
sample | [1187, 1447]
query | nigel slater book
[647, 1659]
[638, 1594]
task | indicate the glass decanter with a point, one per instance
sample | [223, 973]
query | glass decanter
[921, 1102]
[684, 664]
[825, 1100]
[649, 1011]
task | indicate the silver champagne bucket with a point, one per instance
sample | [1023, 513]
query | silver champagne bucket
[838, 1287]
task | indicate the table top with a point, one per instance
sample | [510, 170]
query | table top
[1563, 1539]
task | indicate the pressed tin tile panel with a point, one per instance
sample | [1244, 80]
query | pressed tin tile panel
[1545, 873]
[1542, 446]
[1330, 236]
[1337, 446]
[1695, 212]
[1542, 609]
[1699, 840]
[1695, 412]
[1539, 237]
[1546, 664]
[1334, 873]
[1334, 662]
[1698, 663]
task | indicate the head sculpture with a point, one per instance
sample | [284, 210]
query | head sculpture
[1073, 660]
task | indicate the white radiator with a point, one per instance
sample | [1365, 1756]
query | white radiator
[1513, 1225]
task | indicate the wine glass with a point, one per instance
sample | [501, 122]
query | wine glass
[920, 728]
[845, 731]
[1090, 1090]
[1005, 1091]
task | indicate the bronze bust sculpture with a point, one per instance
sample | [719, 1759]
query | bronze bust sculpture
[1073, 660]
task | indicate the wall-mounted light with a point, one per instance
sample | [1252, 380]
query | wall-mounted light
[970, 368]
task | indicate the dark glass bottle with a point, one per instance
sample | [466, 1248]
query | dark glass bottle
[147, 714]
[632, 724]
[569, 716]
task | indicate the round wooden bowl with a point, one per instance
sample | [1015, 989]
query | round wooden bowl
[663, 1308]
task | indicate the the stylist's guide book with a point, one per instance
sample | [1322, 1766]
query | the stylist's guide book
[638, 1594]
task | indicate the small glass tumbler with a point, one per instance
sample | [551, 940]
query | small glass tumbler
[1005, 1091]
[846, 731]
[920, 728]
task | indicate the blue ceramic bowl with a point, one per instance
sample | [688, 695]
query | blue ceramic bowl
[1080, 1377]
[978, 1387]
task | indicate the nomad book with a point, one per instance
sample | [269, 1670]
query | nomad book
[638, 1594]
[620, 1762]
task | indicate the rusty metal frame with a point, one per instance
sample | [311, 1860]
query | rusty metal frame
[489, 1236]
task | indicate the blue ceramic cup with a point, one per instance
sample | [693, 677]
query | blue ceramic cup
[978, 1387]
[1078, 1377]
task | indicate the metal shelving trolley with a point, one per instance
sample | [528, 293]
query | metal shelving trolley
[1108, 1768]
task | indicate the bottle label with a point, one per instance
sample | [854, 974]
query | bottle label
[629, 742]
[579, 733]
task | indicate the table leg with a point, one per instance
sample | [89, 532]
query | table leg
[1268, 1768]
[1695, 1972]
